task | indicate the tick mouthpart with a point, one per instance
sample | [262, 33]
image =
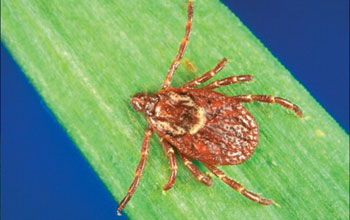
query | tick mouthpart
[138, 102]
[144, 103]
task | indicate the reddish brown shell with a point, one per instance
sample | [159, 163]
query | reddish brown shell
[205, 125]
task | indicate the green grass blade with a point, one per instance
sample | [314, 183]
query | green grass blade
[87, 58]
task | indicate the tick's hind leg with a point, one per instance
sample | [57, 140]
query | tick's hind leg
[210, 74]
[270, 99]
[139, 170]
[176, 62]
[228, 81]
[205, 179]
[238, 187]
[169, 151]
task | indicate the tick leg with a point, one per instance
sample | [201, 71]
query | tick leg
[208, 75]
[206, 179]
[169, 151]
[238, 187]
[228, 81]
[139, 169]
[176, 62]
[270, 99]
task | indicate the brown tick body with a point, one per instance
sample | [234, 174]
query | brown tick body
[201, 124]
[205, 125]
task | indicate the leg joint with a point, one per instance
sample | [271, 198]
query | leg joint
[187, 162]
[137, 174]
[170, 151]
[221, 176]
[240, 189]
[173, 168]
[200, 177]
[249, 97]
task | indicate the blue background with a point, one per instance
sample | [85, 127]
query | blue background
[43, 175]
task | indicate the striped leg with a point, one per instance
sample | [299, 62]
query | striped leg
[175, 64]
[270, 99]
[169, 151]
[205, 179]
[139, 169]
[228, 81]
[210, 74]
[238, 187]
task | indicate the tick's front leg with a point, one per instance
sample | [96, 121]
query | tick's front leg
[176, 62]
[139, 169]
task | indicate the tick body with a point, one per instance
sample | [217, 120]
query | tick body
[205, 125]
[201, 124]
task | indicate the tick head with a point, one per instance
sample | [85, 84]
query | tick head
[144, 103]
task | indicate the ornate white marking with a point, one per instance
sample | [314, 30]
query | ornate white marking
[157, 110]
[166, 126]
[242, 157]
[200, 124]
[233, 154]
[252, 123]
[187, 101]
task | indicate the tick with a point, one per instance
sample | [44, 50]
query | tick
[201, 124]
